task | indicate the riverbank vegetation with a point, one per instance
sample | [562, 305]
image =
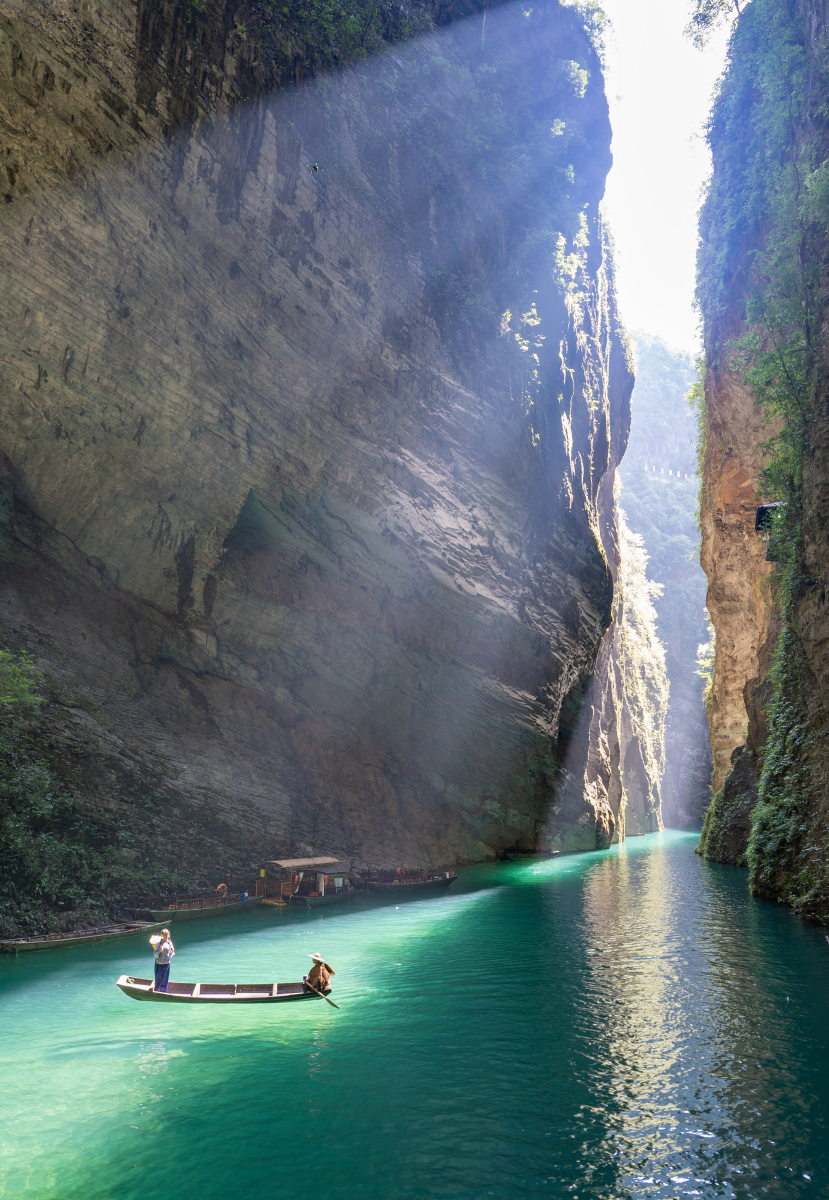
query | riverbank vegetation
[64, 862]
[84, 833]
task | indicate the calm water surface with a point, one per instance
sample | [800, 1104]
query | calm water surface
[622, 1024]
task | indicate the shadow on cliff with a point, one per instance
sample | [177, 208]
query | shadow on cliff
[326, 448]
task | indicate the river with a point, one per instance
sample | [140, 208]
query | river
[622, 1024]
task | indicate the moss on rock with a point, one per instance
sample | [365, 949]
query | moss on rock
[727, 823]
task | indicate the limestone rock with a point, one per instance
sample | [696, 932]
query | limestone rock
[321, 543]
[768, 713]
[734, 558]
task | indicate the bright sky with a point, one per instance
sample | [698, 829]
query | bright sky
[659, 88]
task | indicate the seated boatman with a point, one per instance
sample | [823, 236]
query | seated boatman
[319, 975]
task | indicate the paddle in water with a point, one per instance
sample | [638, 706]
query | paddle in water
[319, 993]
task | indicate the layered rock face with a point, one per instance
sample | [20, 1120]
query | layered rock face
[312, 402]
[635, 697]
[740, 578]
[741, 584]
[763, 283]
[658, 492]
[734, 556]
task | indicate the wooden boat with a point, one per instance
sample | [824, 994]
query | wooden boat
[217, 993]
[390, 882]
[340, 896]
[78, 937]
[309, 882]
[187, 908]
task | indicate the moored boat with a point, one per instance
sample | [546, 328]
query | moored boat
[200, 904]
[218, 993]
[78, 937]
[402, 882]
[309, 882]
[337, 896]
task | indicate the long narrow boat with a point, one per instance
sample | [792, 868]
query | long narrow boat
[341, 896]
[186, 908]
[405, 887]
[217, 993]
[78, 937]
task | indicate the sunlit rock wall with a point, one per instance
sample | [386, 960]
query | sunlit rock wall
[733, 556]
[764, 254]
[628, 704]
[659, 494]
[311, 469]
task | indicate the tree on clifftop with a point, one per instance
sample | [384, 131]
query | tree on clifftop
[707, 16]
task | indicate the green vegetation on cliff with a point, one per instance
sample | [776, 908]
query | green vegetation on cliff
[785, 846]
[63, 862]
[183, 44]
[764, 256]
[83, 834]
[19, 679]
[708, 15]
[727, 824]
[51, 854]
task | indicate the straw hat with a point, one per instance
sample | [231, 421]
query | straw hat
[317, 958]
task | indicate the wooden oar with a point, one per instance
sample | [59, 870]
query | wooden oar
[325, 998]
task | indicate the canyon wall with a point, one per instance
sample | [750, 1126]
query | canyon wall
[639, 704]
[659, 487]
[763, 288]
[313, 393]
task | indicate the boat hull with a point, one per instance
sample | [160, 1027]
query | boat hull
[192, 914]
[324, 901]
[404, 889]
[215, 993]
[84, 937]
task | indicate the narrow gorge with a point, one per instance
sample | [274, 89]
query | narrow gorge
[314, 389]
[413, 602]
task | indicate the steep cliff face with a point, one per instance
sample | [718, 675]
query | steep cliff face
[733, 556]
[763, 286]
[313, 398]
[640, 704]
[659, 486]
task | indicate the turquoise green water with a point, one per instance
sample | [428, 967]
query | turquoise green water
[622, 1024]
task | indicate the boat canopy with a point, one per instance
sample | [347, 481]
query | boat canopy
[303, 864]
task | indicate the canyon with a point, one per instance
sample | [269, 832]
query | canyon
[314, 389]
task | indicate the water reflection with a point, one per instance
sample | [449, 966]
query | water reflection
[604, 1027]
[698, 1065]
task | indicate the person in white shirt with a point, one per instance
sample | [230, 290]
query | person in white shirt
[163, 951]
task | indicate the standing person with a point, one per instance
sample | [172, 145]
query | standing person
[320, 974]
[163, 952]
